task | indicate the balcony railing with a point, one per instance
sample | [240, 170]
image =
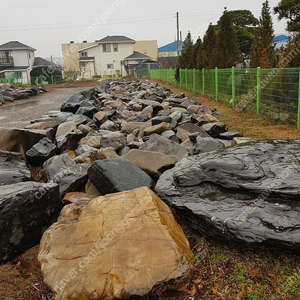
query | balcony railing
[6, 61]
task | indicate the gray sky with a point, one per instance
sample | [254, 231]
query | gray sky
[45, 25]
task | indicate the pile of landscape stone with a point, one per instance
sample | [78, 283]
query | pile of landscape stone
[106, 156]
[9, 94]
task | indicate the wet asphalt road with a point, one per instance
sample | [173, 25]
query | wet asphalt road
[19, 113]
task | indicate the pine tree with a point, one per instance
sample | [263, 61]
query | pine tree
[197, 48]
[227, 52]
[262, 53]
[205, 56]
[184, 58]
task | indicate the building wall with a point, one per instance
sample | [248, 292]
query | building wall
[168, 54]
[147, 47]
[102, 59]
[22, 58]
[71, 56]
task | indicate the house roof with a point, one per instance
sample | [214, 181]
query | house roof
[137, 56]
[170, 47]
[89, 47]
[115, 39]
[41, 62]
[14, 69]
[281, 38]
[15, 45]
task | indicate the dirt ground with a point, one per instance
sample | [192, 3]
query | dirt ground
[219, 271]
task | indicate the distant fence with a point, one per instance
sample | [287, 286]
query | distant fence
[271, 92]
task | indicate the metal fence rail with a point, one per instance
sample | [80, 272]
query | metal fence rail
[271, 92]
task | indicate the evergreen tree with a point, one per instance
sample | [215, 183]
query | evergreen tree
[262, 52]
[197, 48]
[226, 53]
[205, 57]
[184, 58]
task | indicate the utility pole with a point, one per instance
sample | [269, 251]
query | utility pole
[177, 16]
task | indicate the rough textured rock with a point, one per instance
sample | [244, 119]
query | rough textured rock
[26, 210]
[85, 149]
[165, 146]
[53, 116]
[106, 153]
[93, 141]
[207, 145]
[65, 128]
[40, 152]
[77, 198]
[183, 131]
[246, 194]
[160, 128]
[138, 250]
[21, 140]
[115, 140]
[69, 141]
[43, 125]
[117, 175]
[99, 118]
[56, 164]
[214, 129]
[13, 168]
[131, 126]
[229, 135]
[72, 179]
[153, 163]
[241, 140]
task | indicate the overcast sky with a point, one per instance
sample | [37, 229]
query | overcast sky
[45, 25]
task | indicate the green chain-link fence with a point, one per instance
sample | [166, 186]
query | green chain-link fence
[271, 92]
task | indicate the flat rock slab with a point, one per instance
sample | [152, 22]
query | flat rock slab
[245, 194]
[153, 163]
[117, 175]
[27, 209]
[125, 244]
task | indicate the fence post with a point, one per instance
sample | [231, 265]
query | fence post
[233, 86]
[298, 121]
[203, 81]
[258, 90]
[216, 83]
[194, 81]
[186, 78]
[180, 78]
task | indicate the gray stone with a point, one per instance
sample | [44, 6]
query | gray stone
[109, 125]
[13, 168]
[214, 129]
[69, 141]
[165, 146]
[184, 131]
[229, 135]
[65, 128]
[247, 194]
[72, 179]
[116, 140]
[241, 140]
[117, 175]
[207, 145]
[27, 209]
[84, 148]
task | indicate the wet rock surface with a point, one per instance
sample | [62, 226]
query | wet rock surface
[27, 209]
[246, 194]
[125, 244]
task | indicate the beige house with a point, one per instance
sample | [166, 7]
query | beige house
[148, 48]
[71, 57]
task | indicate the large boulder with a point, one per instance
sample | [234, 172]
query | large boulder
[245, 194]
[13, 168]
[117, 175]
[123, 245]
[27, 209]
[21, 140]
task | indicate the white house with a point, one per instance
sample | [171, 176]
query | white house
[16, 61]
[106, 57]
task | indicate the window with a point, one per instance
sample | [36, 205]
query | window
[110, 66]
[83, 54]
[19, 74]
[106, 47]
[115, 45]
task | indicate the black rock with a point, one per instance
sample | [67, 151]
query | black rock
[87, 111]
[72, 179]
[13, 168]
[69, 141]
[229, 135]
[207, 145]
[27, 209]
[117, 175]
[142, 118]
[246, 194]
[40, 152]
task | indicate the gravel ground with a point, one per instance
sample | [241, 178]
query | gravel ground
[19, 113]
